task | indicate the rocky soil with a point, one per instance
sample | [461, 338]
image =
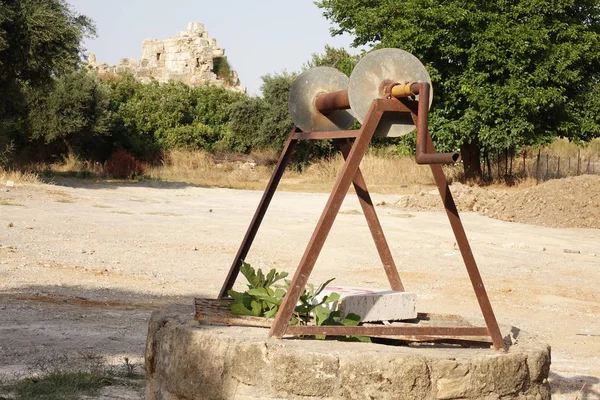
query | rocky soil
[565, 203]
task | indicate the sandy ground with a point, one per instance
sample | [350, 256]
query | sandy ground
[83, 264]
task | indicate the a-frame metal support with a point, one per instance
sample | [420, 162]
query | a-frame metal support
[353, 154]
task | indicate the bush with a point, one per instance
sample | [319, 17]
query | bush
[122, 165]
[192, 136]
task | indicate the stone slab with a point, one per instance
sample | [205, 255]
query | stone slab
[372, 304]
[380, 306]
[186, 360]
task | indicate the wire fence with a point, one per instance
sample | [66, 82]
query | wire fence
[540, 165]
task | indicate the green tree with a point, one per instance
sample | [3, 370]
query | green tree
[245, 120]
[38, 40]
[338, 58]
[211, 105]
[73, 111]
[264, 122]
[150, 118]
[152, 112]
[505, 73]
[277, 123]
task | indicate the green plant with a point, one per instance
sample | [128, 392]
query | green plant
[261, 299]
[309, 304]
[58, 385]
[129, 368]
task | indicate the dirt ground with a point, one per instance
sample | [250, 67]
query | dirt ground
[83, 264]
[560, 203]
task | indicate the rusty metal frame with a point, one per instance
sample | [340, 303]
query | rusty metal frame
[353, 154]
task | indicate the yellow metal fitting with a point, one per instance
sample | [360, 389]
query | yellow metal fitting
[402, 90]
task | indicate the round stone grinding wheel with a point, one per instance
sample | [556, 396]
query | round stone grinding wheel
[389, 66]
[301, 104]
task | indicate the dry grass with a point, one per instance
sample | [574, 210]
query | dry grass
[198, 167]
[383, 173]
[18, 177]
[564, 148]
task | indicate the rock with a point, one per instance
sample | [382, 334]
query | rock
[10, 225]
[189, 57]
[382, 306]
[10, 184]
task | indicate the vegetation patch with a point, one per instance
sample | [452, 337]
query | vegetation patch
[65, 385]
[164, 214]
[264, 296]
[10, 203]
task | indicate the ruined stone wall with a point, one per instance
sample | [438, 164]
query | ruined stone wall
[188, 57]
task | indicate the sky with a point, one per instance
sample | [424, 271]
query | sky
[259, 36]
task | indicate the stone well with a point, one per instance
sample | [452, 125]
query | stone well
[186, 360]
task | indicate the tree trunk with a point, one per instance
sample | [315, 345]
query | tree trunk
[68, 146]
[471, 160]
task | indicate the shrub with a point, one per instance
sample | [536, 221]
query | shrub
[194, 136]
[122, 165]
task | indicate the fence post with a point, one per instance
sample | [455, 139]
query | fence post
[587, 170]
[569, 169]
[537, 168]
[498, 162]
[578, 161]
[505, 163]
[524, 165]
[547, 167]
[558, 173]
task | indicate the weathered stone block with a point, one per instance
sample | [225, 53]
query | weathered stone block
[304, 373]
[381, 376]
[388, 305]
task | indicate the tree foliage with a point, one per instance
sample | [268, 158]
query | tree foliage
[73, 110]
[38, 40]
[264, 122]
[154, 117]
[338, 58]
[505, 73]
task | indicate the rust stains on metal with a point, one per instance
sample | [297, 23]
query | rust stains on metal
[353, 153]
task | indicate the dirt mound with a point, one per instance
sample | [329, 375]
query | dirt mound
[568, 203]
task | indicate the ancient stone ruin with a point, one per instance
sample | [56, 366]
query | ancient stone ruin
[192, 57]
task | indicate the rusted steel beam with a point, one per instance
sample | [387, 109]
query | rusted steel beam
[386, 330]
[325, 223]
[368, 208]
[465, 251]
[422, 156]
[325, 135]
[284, 160]
[332, 101]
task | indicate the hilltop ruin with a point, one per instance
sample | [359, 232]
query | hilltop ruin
[192, 57]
